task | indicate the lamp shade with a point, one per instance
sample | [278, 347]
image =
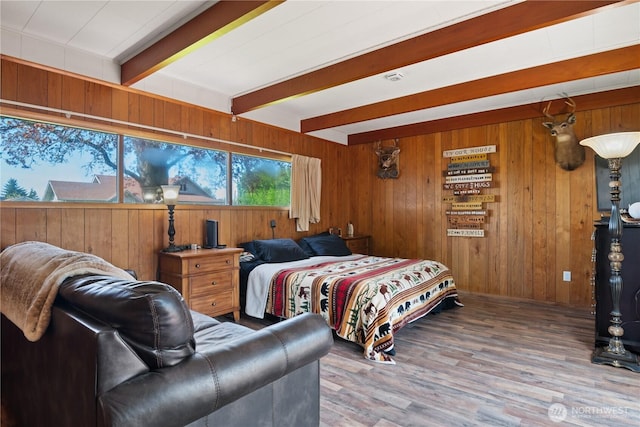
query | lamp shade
[613, 145]
[170, 194]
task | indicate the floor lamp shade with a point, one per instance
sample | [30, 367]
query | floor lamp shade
[613, 145]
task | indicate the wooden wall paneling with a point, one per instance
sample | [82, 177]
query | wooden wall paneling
[418, 194]
[424, 195]
[172, 117]
[119, 241]
[72, 223]
[403, 242]
[413, 231]
[134, 103]
[527, 210]
[438, 210]
[135, 248]
[581, 213]
[504, 209]
[562, 233]
[73, 90]
[495, 269]
[360, 193]
[552, 169]
[119, 105]
[196, 120]
[145, 110]
[54, 227]
[9, 79]
[31, 224]
[445, 251]
[153, 226]
[515, 179]
[239, 226]
[541, 152]
[98, 99]
[98, 232]
[196, 227]
[478, 249]
[460, 246]
[8, 227]
[54, 90]
[31, 81]
[181, 224]
[225, 234]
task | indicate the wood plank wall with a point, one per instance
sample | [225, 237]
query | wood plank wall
[539, 226]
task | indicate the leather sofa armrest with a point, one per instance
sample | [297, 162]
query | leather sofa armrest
[216, 375]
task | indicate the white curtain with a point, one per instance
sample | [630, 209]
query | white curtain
[306, 185]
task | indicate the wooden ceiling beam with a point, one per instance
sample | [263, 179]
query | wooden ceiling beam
[591, 101]
[214, 22]
[509, 21]
[599, 64]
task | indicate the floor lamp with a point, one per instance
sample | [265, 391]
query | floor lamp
[614, 147]
[170, 197]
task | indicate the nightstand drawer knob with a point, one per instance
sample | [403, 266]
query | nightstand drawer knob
[213, 282]
[197, 265]
[228, 261]
[213, 304]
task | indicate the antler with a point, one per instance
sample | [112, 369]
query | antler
[545, 111]
[570, 102]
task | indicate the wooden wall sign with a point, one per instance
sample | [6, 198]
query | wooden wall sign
[469, 172]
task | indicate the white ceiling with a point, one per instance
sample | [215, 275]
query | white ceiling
[94, 37]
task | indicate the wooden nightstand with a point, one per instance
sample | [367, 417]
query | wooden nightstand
[208, 279]
[358, 244]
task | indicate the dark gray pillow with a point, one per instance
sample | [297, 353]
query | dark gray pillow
[326, 244]
[279, 250]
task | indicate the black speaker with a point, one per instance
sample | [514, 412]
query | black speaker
[210, 234]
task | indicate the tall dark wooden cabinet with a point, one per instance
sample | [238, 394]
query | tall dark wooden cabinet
[630, 299]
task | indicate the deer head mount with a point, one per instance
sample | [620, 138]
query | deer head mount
[388, 160]
[569, 154]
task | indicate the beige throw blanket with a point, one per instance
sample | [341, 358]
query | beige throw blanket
[30, 274]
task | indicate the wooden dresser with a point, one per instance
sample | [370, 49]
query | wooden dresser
[208, 279]
[630, 298]
[358, 244]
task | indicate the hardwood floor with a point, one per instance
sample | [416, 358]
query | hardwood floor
[494, 362]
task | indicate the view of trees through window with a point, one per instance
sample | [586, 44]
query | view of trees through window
[50, 162]
[260, 182]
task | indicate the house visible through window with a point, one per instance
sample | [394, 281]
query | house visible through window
[54, 163]
[200, 173]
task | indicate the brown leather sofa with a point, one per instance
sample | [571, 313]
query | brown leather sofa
[130, 353]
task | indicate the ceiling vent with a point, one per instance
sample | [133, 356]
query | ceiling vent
[394, 76]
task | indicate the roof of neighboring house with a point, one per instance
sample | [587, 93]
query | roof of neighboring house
[104, 188]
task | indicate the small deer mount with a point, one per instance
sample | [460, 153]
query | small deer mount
[569, 154]
[388, 160]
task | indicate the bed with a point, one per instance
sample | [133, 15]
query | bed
[364, 299]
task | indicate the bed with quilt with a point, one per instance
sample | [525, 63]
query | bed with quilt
[364, 299]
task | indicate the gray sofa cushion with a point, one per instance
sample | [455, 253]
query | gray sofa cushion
[151, 317]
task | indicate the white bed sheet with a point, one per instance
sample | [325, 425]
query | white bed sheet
[260, 279]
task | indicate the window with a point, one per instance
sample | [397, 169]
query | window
[258, 181]
[48, 162]
[58, 163]
[201, 173]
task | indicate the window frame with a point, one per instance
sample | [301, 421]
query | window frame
[158, 135]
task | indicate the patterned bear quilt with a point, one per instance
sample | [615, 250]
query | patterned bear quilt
[365, 299]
